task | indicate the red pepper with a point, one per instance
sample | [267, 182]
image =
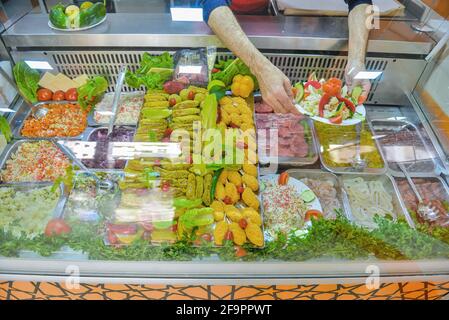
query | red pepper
[324, 100]
[337, 119]
[347, 102]
[313, 83]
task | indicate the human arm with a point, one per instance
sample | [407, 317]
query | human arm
[358, 41]
[274, 85]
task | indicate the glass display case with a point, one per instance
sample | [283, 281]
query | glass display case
[144, 186]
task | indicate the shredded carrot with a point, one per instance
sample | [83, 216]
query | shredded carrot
[62, 120]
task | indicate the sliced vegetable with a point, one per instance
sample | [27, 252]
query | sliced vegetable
[214, 182]
[312, 214]
[356, 93]
[312, 77]
[283, 178]
[313, 83]
[308, 196]
[56, 227]
[347, 102]
[186, 203]
[197, 218]
[91, 92]
[299, 92]
[323, 101]
[336, 120]
[209, 112]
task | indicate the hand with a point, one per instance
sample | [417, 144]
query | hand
[275, 88]
[352, 69]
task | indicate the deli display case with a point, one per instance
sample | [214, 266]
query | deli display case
[114, 192]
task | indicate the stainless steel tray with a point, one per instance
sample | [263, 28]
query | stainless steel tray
[13, 147]
[18, 129]
[424, 168]
[352, 170]
[321, 175]
[389, 185]
[93, 123]
[27, 186]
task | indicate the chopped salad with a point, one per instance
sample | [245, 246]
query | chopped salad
[328, 99]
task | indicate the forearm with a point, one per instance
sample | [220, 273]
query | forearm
[358, 34]
[228, 30]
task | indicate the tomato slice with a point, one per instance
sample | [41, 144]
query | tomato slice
[240, 252]
[312, 213]
[337, 119]
[283, 178]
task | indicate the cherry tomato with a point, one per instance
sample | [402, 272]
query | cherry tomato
[243, 223]
[166, 187]
[44, 95]
[215, 70]
[168, 132]
[191, 95]
[71, 95]
[240, 189]
[58, 95]
[239, 252]
[315, 214]
[283, 178]
[56, 227]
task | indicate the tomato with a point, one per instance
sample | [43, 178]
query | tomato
[56, 227]
[206, 237]
[191, 95]
[243, 223]
[240, 189]
[215, 70]
[316, 214]
[112, 238]
[58, 96]
[227, 200]
[294, 91]
[71, 95]
[337, 119]
[331, 89]
[239, 252]
[44, 95]
[362, 99]
[283, 178]
[165, 186]
[168, 132]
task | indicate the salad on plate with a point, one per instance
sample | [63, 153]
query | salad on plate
[330, 101]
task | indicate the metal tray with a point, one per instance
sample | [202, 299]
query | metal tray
[432, 179]
[425, 168]
[389, 185]
[317, 174]
[11, 148]
[351, 170]
[91, 120]
[27, 186]
[18, 129]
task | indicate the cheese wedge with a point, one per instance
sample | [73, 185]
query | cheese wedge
[81, 80]
[47, 81]
[63, 82]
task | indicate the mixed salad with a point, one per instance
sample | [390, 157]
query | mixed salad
[329, 99]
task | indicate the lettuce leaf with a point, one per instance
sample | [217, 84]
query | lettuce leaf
[27, 80]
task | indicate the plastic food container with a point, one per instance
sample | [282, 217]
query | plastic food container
[329, 201]
[402, 142]
[128, 111]
[390, 188]
[432, 189]
[293, 136]
[18, 131]
[338, 147]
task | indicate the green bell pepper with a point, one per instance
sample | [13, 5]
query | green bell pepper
[92, 15]
[58, 17]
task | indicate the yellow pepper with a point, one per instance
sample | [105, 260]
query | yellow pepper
[242, 86]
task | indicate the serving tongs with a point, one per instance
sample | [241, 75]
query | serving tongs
[426, 211]
[103, 184]
[116, 100]
[358, 163]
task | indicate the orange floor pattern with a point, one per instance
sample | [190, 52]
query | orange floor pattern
[58, 291]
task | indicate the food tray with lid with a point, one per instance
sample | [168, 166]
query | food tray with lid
[17, 132]
[14, 147]
[337, 147]
[390, 191]
[432, 189]
[335, 201]
[103, 109]
[402, 142]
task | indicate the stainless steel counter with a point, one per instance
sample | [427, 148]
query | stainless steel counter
[266, 32]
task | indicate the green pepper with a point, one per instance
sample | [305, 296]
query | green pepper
[92, 15]
[214, 182]
[186, 203]
[58, 18]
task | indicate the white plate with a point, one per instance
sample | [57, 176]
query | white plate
[77, 29]
[348, 122]
[300, 188]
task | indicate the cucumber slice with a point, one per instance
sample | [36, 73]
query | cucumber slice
[356, 92]
[307, 196]
[300, 93]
